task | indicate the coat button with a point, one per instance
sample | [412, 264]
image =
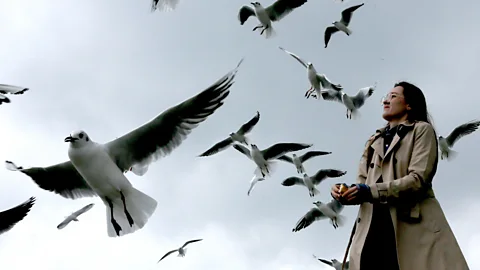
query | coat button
[371, 165]
[358, 220]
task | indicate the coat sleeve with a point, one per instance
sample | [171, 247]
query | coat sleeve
[422, 167]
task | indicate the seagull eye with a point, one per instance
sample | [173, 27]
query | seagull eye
[80, 136]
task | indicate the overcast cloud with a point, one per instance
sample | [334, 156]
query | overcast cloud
[109, 66]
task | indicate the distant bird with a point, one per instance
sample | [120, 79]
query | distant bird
[334, 263]
[298, 161]
[74, 216]
[264, 158]
[447, 143]
[164, 5]
[96, 169]
[330, 210]
[12, 216]
[353, 103]
[238, 136]
[311, 181]
[181, 251]
[341, 25]
[317, 81]
[274, 12]
[253, 183]
[11, 90]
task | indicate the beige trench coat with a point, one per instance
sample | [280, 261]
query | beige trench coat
[424, 238]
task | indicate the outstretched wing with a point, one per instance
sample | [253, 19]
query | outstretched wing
[61, 178]
[217, 147]
[286, 159]
[293, 181]
[328, 34]
[168, 253]
[348, 13]
[335, 206]
[300, 60]
[167, 131]
[12, 216]
[332, 95]
[324, 173]
[280, 149]
[282, 8]
[12, 89]
[244, 13]
[362, 94]
[461, 131]
[308, 155]
[305, 221]
[247, 127]
[191, 241]
[242, 149]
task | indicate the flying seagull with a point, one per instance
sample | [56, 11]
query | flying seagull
[97, 169]
[447, 143]
[274, 12]
[238, 136]
[74, 216]
[317, 81]
[181, 251]
[264, 158]
[311, 181]
[298, 161]
[11, 90]
[164, 5]
[253, 183]
[330, 210]
[12, 216]
[353, 103]
[341, 25]
[334, 263]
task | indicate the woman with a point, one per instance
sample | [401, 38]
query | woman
[400, 225]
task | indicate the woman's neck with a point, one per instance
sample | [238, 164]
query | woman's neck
[395, 122]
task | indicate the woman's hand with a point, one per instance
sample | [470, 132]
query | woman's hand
[335, 192]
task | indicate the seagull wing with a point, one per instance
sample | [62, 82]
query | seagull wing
[12, 89]
[461, 131]
[326, 262]
[82, 210]
[61, 178]
[324, 173]
[281, 149]
[65, 222]
[217, 147]
[305, 221]
[164, 133]
[328, 34]
[347, 14]
[332, 95]
[308, 155]
[4, 99]
[362, 94]
[191, 241]
[12, 216]
[247, 127]
[244, 13]
[282, 8]
[168, 253]
[293, 181]
[335, 206]
[242, 149]
[286, 158]
[300, 60]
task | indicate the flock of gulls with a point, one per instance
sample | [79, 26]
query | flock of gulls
[96, 169]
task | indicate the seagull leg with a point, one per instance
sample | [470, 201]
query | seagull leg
[264, 28]
[114, 222]
[130, 219]
[256, 27]
[308, 92]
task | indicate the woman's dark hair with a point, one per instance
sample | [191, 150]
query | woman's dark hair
[416, 99]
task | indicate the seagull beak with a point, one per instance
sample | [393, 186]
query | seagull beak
[252, 3]
[70, 139]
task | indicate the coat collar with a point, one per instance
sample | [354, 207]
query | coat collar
[401, 130]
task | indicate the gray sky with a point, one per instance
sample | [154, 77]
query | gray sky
[109, 66]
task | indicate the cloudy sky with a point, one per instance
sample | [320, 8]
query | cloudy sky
[109, 66]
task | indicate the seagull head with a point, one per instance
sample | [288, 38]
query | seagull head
[305, 175]
[317, 203]
[254, 146]
[294, 155]
[255, 4]
[78, 138]
[440, 137]
[232, 134]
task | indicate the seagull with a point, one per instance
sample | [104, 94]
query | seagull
[238, 136]
[12, 216]
[74, 216]
[96, 169]
[274, 12]
[164, 5]
[317, 81]
[330, 210]
[311, 182]
[10, 89]
[264, 158]
[353, 103]
[447, 143]
[298, 161]
[181, 251]
[341, 25]
[334, 263]
[253, 182]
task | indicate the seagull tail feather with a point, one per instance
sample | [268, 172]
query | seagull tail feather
[341, 220]
[270, 32]
[356, 114]
[452, 154]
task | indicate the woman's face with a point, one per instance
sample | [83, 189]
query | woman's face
[394, 105]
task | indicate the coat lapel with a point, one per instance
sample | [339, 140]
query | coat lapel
[403, 128]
